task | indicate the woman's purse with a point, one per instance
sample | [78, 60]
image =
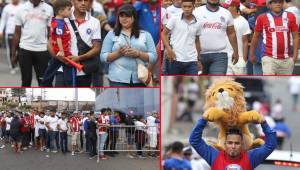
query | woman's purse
[144, 74]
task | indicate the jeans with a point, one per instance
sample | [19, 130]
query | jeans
[32, 135]
[53, 66]
[257, 69]
[114, 137]
[63, 141]
[119, 84]
[39, 61]
[87, 142]
[177, 67]
[214, 63]
[93, 146]
[102, 140]
[25, 139]
[81, 81]
[53, 136]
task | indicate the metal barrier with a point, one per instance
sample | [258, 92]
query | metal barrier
[123, 135]
[125, 138]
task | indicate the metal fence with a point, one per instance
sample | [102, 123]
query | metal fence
[121, 136]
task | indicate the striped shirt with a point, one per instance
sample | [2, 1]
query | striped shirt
[276, 32]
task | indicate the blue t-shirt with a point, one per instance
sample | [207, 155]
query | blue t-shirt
[177, 164]
[146, 19]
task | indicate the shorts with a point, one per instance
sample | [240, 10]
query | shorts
[42, 133]
[75, 138]
[130, 139]
[152, 140]
[16, 137]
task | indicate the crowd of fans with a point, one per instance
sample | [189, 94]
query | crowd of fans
[100, 135]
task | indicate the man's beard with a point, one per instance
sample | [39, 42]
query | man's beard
[213, 4]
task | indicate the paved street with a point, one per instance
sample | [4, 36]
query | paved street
[7, 79]
[37, 160]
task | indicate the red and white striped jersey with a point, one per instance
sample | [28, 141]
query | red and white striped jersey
[276, 32]
[75, 124]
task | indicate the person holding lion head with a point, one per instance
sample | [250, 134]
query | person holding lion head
[226, 106]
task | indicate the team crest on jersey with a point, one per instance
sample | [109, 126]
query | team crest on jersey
[222, 19]
[59, 31]
[278, 29]
[233, 167]
[89, 31]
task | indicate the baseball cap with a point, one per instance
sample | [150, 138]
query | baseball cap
[127, 9]
[269, 1]
[228, 3]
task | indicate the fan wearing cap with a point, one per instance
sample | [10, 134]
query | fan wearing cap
[125, 47]
[183, 48]
[276, 28]
[242, 30]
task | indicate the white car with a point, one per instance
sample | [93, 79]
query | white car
[281, 160]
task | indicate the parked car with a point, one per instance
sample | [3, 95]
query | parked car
[281, 160]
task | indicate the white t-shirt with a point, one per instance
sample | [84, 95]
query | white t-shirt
[89, 31]
[173, 11]
[164, 16]
[34, 22]
[242, 28]
[98, 8]
[8, 19]
[193, 91]
[140, 125]
[183, 35]
[42, 119]
[52, 122]
[151, 125]
[36, 121]
[296, 12]
[213, 28]
[63, 124]
[8, 121]
[294, 83]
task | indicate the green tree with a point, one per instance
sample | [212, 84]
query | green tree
[18, 92]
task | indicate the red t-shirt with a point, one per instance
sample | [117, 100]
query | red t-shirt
[75, 124]
[224, 162]
[103, 120]
[32, 121]
[25, 121]
[60, 29]
[276, 31]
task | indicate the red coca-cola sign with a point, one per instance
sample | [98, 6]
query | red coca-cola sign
[214, 25]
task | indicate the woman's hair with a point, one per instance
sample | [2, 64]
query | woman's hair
[128, 10]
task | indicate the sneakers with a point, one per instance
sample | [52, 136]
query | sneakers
[130, 156]
[92, 157]
[25, 148]
[12, 71]
[3, 146]
[48, 150]
[73, 153]
[54, 151]
[141, 157]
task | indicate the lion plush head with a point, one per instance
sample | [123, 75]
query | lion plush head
[227, 95]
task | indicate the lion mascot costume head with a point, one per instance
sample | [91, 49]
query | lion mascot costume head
[225, 105]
